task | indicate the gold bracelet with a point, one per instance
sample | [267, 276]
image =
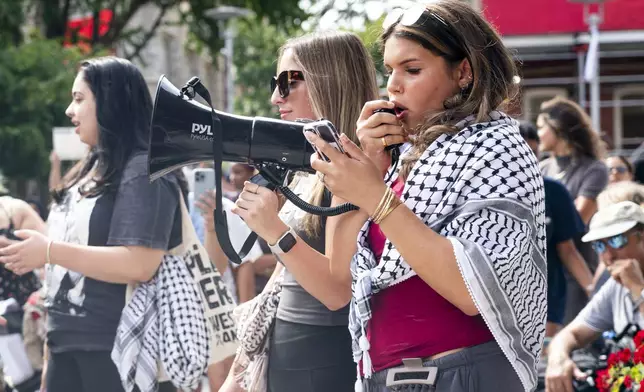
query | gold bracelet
[390, 208]
[381, 204]
[384, 201]
[385, 209]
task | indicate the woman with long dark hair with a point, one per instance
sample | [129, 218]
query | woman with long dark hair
[108, 227]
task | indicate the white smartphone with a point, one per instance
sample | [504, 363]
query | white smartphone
[204, 181]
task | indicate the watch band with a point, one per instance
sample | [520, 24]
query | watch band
[285, 243]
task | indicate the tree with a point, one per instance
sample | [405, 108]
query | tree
[54, 17]
[36, 79]
[255, 57]
[37, 70]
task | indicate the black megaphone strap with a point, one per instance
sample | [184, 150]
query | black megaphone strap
[221, 223]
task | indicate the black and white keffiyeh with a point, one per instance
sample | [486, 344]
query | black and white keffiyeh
[164, 320]
[482, 189]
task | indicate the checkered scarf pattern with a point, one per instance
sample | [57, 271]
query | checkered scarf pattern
[163, 321]
[481, 188]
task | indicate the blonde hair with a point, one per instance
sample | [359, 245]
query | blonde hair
[340, 77]
[621, 191]
[571, 123]
[492, 65]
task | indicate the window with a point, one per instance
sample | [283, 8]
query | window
[534, 97]
[628, 120]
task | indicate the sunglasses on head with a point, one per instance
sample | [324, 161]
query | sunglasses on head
[284, 80]
[421, 18]
[616, 242]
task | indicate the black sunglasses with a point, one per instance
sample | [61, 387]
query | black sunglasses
[424, 19]
[284, 80]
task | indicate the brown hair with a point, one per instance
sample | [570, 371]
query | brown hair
[627, 162]
[340, 77]
[492, 65]
[571, 123]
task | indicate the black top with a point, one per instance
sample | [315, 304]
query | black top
[296, 304]
[84, 313]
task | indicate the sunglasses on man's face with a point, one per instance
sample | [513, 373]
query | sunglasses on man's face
[284, 81]
[617, 242]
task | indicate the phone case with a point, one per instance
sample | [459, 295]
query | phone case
[328, 133]
[204, 180]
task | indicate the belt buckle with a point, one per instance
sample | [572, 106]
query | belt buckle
[407, 374]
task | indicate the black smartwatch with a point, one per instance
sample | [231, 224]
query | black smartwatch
[285, 243]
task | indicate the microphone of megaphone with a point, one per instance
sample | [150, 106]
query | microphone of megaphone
[181, 134]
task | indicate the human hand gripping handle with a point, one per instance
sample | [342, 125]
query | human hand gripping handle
[258, 206]
[377, 129]
[353, 176]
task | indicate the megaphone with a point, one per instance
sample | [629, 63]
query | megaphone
[183, 131]
[181, 134]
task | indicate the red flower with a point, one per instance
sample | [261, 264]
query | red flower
[639, 355]
[624, 355]
[639, 338]
[641, 384]
[602, 380]
[613, 359]
[628, 381]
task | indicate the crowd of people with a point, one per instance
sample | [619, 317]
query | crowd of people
[480, 246]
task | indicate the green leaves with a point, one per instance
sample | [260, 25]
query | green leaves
[255, 57]
[36, 78]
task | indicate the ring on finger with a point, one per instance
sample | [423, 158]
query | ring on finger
[384, 141]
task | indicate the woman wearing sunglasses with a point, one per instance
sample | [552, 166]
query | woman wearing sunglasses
[620, 168]
[449, 277]
[330, 76]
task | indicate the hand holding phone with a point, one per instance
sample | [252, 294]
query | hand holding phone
[204, 181]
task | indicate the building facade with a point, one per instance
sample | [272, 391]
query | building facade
[550, 40]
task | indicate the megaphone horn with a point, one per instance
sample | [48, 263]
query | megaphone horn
[181, 134]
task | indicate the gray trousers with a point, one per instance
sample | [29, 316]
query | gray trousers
[481, 368]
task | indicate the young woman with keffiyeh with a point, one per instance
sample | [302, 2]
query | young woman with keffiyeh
[449, 273]
[108, 227]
